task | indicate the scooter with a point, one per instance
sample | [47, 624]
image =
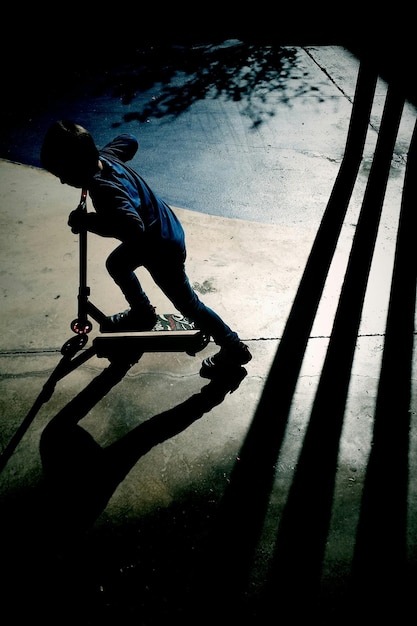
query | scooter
[171, 334]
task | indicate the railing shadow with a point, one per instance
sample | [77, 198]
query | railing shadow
[303, 531]
[382, 582]
[293, 584]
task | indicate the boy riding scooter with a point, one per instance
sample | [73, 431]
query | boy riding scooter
[149, 231]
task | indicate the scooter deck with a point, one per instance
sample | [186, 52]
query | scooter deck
[171, 333]
[190, 341]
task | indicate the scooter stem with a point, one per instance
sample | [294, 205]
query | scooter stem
[82, 325]
[84, 291]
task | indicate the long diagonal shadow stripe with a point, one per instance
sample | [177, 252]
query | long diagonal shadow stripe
[302, 535]
[380, 571]
[242, 511]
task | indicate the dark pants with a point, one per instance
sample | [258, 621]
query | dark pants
[165, 263]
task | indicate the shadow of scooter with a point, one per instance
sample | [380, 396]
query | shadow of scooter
[81, 476]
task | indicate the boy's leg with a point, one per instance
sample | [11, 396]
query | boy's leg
[174, 282]
[141, 315]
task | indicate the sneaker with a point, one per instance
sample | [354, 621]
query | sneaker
[227, 358]
[221, 385]
[130, 320]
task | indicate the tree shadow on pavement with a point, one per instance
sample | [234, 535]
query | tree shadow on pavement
[233, 70]
[153, 81]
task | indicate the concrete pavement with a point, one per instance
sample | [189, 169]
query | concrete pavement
[111, 496]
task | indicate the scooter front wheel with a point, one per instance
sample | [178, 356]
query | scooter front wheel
[81, 327]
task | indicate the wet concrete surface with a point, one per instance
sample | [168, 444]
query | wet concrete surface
[143, 493]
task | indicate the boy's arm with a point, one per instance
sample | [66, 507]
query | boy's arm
[129, 228]
[115, 214]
